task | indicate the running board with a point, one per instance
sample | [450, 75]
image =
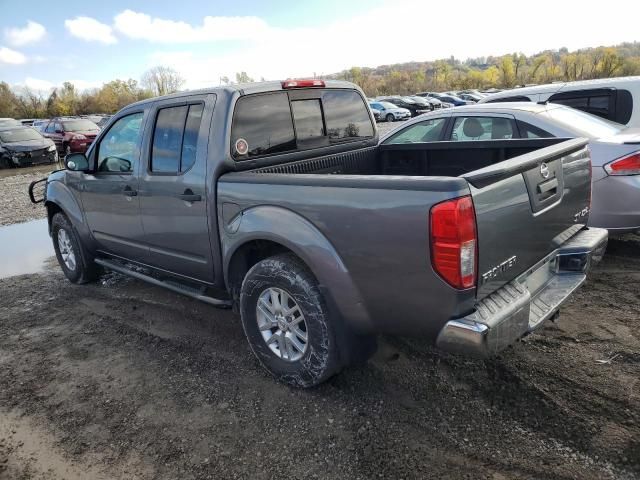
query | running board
[172, 285]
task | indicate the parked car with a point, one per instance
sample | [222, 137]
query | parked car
[426, 105]
[616, 99]
[400, 102]
[104, 120]
[470, 97]
[390, 112]
[615, 150]
[71, 134]
[9, 122]
[452, 99]
[40, 125]
[27, 122]
[22, 146]
[235, 191]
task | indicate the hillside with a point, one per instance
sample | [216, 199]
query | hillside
[504, 72]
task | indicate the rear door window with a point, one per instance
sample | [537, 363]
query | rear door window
[531, 131]
[600, 102]
[175, 138]
[481, 128]
[427, 131]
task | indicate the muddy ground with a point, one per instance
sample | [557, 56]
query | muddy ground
[124, 380]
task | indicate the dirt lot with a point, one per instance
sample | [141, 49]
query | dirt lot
[14, 184]
[124, 380]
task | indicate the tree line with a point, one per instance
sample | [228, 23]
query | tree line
[68, 100]
[506, 71]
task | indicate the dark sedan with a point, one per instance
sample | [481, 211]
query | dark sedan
[412, 106]
[22, 146]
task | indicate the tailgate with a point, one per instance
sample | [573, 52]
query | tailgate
[526, 207]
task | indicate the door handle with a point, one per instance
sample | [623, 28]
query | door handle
[190, 197]
[129, 192]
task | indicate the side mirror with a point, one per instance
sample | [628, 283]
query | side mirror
[76, 162]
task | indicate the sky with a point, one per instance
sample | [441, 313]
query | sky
[44, 43]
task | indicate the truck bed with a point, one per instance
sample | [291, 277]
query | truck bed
[374, 205]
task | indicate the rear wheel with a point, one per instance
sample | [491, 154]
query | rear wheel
[76, 264]
[287, 324]
[390, 118]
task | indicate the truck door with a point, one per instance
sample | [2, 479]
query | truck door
[173, 190]
[110, 193]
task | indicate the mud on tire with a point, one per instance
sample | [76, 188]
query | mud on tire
[82, 269]
[321, 358]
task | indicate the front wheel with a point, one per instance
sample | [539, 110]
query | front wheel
[390, 118]
[73, 259]
[287, 323]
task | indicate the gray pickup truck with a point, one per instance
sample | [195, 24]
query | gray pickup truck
[276, 199]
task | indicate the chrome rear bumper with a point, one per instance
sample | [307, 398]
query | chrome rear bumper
[524, 304]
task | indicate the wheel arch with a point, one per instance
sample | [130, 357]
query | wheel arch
[268, 230]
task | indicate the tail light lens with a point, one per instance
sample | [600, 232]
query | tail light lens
[627, 165]
[454, 241]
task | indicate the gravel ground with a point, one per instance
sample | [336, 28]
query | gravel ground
[14, 185]
[120, 379]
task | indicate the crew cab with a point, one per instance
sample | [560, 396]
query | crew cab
[276, 199]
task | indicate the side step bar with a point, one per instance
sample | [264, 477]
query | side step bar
[168, 284]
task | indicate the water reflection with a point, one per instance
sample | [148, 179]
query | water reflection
[24, 247]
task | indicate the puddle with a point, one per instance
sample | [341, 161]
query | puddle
[24, 247]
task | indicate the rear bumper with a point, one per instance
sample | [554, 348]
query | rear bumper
[522, 305]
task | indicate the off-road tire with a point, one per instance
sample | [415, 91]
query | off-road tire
[85, 269]
[321, 359]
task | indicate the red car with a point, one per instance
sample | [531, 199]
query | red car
[71, 135]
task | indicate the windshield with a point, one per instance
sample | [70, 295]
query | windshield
[19, 135]
[79, 125]
[583, 124]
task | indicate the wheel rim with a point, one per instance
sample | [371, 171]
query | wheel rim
[390, 118]
[66, 249]
[282, 324]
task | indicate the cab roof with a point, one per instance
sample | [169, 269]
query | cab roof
[243, 89]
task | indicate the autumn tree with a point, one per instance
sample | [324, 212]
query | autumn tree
[162, 80]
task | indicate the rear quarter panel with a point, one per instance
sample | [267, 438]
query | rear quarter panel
[378, 229]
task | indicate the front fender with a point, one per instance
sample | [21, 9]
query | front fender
[296, 233]
[60, 195]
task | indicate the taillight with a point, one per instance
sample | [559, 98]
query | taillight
[302, 83]
[454, 241]
[627, 165]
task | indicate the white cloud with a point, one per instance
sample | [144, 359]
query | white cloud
[86, 84]
[90, 29]
[142, 26]
[11, 57]
[37, 84]
[278, 53]
[23, 36]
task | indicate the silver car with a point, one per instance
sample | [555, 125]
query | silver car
[389, 112]
[615, 149]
